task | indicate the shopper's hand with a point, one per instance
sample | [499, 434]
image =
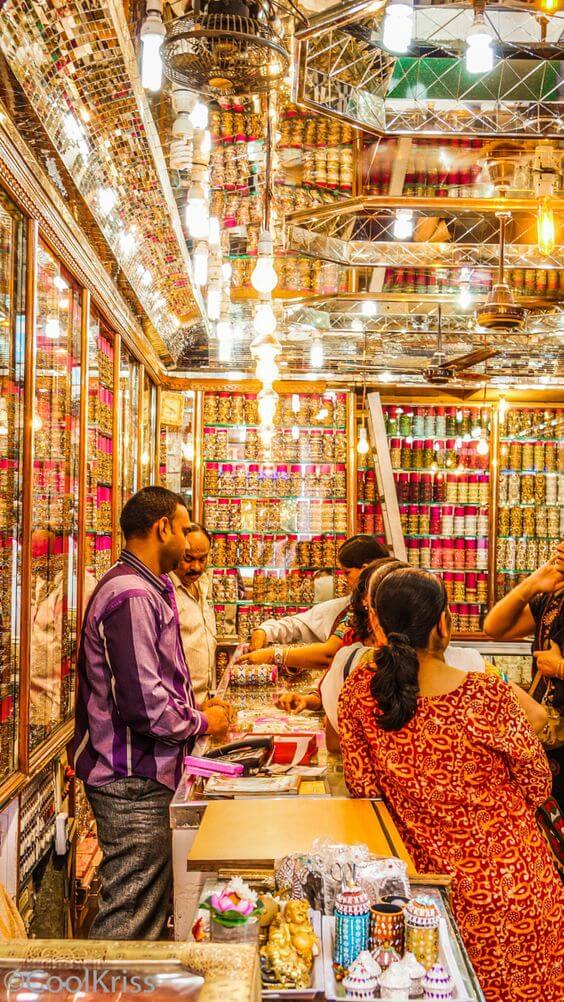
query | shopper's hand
[549, 661]
[550, 577]
[216, 701]
[218, 721]
[265, 656]
[258, 640]
[296, 702]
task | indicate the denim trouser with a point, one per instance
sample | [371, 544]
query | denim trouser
[136, 871]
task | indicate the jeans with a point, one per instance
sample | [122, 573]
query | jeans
[134, 835]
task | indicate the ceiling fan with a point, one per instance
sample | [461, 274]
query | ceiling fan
[500, 311]
[442, 370]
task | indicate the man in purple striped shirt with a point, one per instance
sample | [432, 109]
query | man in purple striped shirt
[136, 716]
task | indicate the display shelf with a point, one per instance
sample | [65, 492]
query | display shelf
[264, 510]
[100, 451]
[444, 496]
[55, 490]
[530, 491]
[12, 307]
[129, 391]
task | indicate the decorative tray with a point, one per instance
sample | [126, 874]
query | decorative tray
[335, 991]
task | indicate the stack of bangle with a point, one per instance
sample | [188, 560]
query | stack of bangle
[280, 658]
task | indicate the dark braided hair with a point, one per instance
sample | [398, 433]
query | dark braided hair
[409, 604]
[359, 619]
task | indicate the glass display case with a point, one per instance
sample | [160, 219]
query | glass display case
[148, 431]
[100, 450]
[530, 521]
[276, 524]
[176, 442]
[12, 310]
[129, 408]
[440, 458]
[55, 485]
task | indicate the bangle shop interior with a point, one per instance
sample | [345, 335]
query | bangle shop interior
[301, 264]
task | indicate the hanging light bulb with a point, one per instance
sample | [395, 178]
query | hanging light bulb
[267, 400]
[368, 308]
[213, 304]
[226, 271]
[482, 448]
[264, 320]
[152, 36]
[316, 354]
[200, 262]
[464, 295]
[267, 372]
[224, 351]
[546, 232]
[295, 433]
[264, 278]
[107, 199]
[549, 6]
[266, 434]
[362, 445]
[357, 325]
[403, 224]
[479, 52]
[199, 116]
[398, 26]
[197, 212]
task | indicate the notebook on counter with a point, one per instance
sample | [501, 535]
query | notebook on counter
[252, 786]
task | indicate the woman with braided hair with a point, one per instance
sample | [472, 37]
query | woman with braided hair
[462, 772]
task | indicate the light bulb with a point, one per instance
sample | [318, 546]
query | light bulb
[295, 403]
[403, 224]
[106, 200]
[264, 278]
[362, 445]
[152, 37]
[357, 325]
[503, 408]
[197, 213]
[224, 351]
[214, 232]
[52, 329]
[267, 400]
[224, 330]
[479, 52]
[214, 302]
[264, 320]
[200, 262]
[182, 126]
[316, 355]
[227, 271]
[199, 116]
[126, 242]
[368, 308]
[546, 233]
[464, 296]
[267, 371]
[266, 434]
[398, 26]
[482, 447]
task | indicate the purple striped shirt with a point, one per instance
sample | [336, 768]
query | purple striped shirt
[135, 710]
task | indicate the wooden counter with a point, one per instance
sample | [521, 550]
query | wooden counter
[256, 833]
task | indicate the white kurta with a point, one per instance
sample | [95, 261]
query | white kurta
[198, 632]
[309, 627]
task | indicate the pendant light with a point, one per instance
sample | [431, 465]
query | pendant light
[152, 37]
[267, 401]
[197, 215]
[397, 32]
[316, 354]
[264, 278]
[403, 224]
[479, 52]
[546, 233]
[200, 262]
[264, 320]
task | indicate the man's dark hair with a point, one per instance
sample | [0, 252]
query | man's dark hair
[145, 508]
[198, 527]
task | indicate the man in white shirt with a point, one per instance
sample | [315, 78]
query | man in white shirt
[197, 618]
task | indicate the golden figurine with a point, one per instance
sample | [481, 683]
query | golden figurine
[283, 963]
[302, 936]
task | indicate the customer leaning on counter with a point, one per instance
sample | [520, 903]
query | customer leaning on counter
[136, 715]
[320, 628]
[195, 611]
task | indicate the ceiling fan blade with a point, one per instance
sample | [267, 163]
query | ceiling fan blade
[472, 358]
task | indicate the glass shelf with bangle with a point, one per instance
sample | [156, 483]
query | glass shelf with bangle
[100, 451]
[440, 458]
[276, 523]
[530, 520]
